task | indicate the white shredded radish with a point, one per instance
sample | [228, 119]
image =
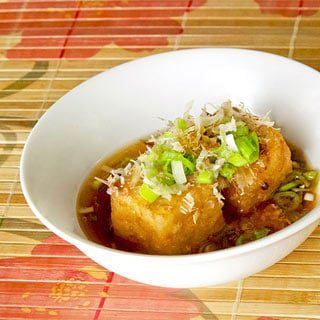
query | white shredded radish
[231, 142]
[187, 203]
[178, 172]
[86, 210]
[217, 165]
[102, 181]
[308, 196]
[195, 217]
[217, 193]
[265, 120]
[200, 160]
[210, 108]
[228, 127]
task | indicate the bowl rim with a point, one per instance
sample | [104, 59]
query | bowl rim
[79, 241]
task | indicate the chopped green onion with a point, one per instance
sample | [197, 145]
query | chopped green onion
[227, 170]
[178, 172]
[205, 177]
[152, 172]
[298, 175]
[290, 185]
[169, 156]
[231, 142]
[167, 167]
[96, 184]
[222, 151]
[241, 131]
[147, 193]
[310, 175]
[255, 138]
[151, 157]
[166, 178]
[190, 157]
[167, 134]
[237, 159]
[245, 238]
[188, 165]
[295, 164]
[251, 236]
[261, 233]
[287, 200]
[249, 147]
[181, 124]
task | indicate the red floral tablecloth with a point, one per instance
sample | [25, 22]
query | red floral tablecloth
[46, 49]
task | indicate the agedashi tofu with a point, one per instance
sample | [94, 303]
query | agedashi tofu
[205, 182]
[255, 183]
[178, 226]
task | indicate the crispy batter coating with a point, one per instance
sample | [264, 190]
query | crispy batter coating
[167, 227]
[255, 183]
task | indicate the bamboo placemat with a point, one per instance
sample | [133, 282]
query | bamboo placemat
[49, 47]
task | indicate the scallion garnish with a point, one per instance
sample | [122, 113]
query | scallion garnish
[310, 175]
[237, 159]
[249, 147]
[178, 172]
[205, 177]
[96, 184]
[152, 172]
[231, 142]
[181, 124]
[188, 165]
[261, 233]
[251, 236]
[295, 164]
[245, 238]
[222, 151]
[241, 131]
[169, 155]
[227, 171]
[255, 139]
[167, 134]
[147, 193]
[290, 185]
[287, 200]
[186, 149]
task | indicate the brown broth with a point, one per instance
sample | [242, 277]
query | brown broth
[97, 225]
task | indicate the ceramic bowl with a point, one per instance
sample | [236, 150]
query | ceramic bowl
[124, 103]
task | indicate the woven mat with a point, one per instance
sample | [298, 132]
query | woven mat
[49, 47]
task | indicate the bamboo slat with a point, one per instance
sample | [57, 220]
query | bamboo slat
[49, 47]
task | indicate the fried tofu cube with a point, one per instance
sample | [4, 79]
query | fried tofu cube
[178, 226]
[256, 183]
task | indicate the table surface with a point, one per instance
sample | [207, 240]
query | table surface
[49, 47]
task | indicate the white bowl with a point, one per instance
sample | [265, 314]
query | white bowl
[124, 103]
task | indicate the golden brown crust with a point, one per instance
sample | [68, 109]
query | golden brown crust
[256, 183]
[162, 227]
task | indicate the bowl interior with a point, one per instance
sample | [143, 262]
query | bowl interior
[125, 103]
